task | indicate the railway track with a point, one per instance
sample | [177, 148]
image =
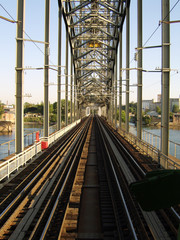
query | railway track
[24, 205]
[82, 192]
[161, 224]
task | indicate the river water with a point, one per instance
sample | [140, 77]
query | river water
[28, 128]
[29, 138]
[174, 135]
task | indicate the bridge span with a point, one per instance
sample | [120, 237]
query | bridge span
[93, 34]
[91, 179]
[81, 188]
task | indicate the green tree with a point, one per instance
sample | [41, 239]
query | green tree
[32, 109]
[158, 110]
[175, 108]
[55, 107]
[123, 116]
[132, 107]
[1, 110]
[171, 116]
[147, 119]
[53, 118]
[50, 108]
[27, 105]
[40, 108]
[117, 114]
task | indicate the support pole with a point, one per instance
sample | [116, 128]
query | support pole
[75, 97]
[127, 66]
[165, 78]
[112, 99]
[19, 135]
[78, 105]
[59, 71]
[66, 84]
[139, 72]
[115, 91]
[71, 87]
[46, 70]
[110, 104]
[120, 79]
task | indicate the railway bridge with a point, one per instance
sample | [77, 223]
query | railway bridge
[91, 178]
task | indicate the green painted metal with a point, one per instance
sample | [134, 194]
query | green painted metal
[159, 189]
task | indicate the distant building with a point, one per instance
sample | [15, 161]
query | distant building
[8, 116]
[31, 115]
[172, 102]
[152, 114]
[159, 98]
[146, 104]
[9, 113]
[8, 107]
[176, 118]
[151, 105]
[154, 105]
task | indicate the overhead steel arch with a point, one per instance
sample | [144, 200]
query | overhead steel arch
[93, 27]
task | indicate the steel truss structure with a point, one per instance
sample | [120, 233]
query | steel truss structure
[94, 27]
[93, 31]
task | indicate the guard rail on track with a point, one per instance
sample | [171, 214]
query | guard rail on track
[150, 150]
[13, 164]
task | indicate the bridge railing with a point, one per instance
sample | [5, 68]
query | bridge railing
[150, 150]
[8, 148]
[155, 140]
[18, 160]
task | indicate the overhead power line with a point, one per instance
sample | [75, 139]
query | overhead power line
[24, 32]
[152, 34]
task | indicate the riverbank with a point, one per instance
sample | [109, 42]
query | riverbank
[158, 125]
[33, 123]
[5, 126]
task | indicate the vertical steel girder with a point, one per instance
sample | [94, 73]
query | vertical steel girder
[112, 99]
[127, 66]
[66, 79]
[165, 78]
[75, 97]
[59, 71]
[115, 89]
[71, 87]
[46, 69]
[120, 78]
[19, 134]
[139, 72]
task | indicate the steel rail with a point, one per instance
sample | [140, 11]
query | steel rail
[143, 172]
[174, 212]
[60, 171]
[25, 189]
[76, 149]
[118, 184]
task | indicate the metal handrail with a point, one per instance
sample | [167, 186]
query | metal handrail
[146, 148]
[9, 166]
[26, 138]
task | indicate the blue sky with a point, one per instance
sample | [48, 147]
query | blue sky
[34, 27]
